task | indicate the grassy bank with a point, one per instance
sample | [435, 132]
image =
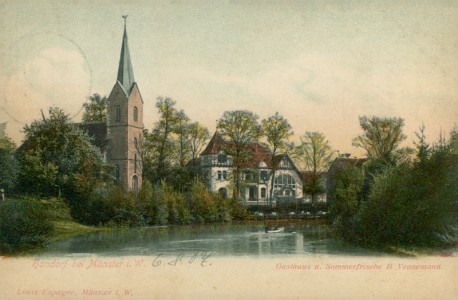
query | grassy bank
[28, 224]
[63, 223]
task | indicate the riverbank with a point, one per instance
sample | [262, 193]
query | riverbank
[64, 225]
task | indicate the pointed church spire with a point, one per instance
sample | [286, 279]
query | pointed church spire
[125, 71]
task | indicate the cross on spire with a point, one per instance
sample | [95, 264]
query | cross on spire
[125, 19]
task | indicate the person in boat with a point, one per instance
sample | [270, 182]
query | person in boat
[275, 227]
[267, 228]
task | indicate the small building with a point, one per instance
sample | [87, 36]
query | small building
[216, 167]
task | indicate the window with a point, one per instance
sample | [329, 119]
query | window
[219, 175]
[284, 181]
[264, 175]
[252, 193]
[135, 184]
[135, 163]
[118, 113]
[117, 173]
[263, 193]
[136, 143]
[224, 175]
[135, 114]
[222, 158]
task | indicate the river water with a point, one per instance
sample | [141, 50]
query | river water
[220, 240]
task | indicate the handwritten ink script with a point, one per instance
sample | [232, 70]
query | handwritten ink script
[94, 264]
[198, 257]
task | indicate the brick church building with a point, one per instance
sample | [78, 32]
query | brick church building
[120, 137]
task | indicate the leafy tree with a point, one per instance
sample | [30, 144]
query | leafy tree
[198, 136]
[277, 131]
[8, 164]
[381, 139]
[159, 150]
[315, 152]
[96, 109]
[241, 129]
[55, 155]
[346, 200]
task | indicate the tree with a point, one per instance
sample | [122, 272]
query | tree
[277, 131]
[8, 164]
[315, 152]
[241, 129]
[57, 155]
[160, 147]
[96, 109]
[381, 138]
[198, 136]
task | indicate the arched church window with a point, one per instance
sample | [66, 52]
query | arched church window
[117, 173]
[135, 184]
[136, 143]
[135, 114]
[118, 113]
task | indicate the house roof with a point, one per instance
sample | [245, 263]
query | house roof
[260, 154]
[343, 162]
[214, 146]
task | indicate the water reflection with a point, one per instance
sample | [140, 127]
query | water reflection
[223, 240]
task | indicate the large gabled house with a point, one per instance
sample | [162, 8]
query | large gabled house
[217, 168]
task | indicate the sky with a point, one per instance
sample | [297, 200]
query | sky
[320, 64]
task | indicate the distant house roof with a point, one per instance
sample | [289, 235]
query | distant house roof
[344, 162]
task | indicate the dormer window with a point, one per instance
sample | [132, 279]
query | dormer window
[118, 114]
[135, 114]
[222, 158]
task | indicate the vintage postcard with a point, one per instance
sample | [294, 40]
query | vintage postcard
[228, 149]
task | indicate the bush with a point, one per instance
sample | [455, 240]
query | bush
[411, 204]
[24, 225]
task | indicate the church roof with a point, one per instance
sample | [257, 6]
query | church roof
[98, 132]
[125, 70]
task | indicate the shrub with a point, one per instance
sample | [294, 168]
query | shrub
[412, 204]
[24, 225]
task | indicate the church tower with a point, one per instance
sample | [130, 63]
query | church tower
[125, 123]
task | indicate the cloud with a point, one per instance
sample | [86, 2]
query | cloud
[53, 77]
